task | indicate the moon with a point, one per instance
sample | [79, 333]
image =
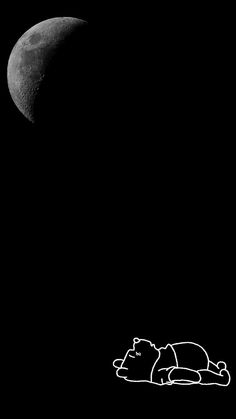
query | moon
[46, 69]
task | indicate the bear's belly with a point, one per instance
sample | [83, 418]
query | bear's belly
[190, 355]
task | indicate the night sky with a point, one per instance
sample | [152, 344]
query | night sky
[126, 227]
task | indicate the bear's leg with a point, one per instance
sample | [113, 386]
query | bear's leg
[213, 367]
[209, 377]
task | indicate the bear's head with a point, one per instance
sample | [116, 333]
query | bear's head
[140, 359]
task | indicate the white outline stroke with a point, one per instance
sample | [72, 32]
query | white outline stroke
[221, 366]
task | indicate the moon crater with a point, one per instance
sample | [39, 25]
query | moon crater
[35, 38]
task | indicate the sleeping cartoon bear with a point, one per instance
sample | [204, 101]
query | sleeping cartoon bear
[181, 363]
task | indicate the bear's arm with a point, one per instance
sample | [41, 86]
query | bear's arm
[175, 375]
[184, 375]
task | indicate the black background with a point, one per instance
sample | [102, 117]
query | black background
[121, 225]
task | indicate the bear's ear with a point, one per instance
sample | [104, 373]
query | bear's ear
[136, 340]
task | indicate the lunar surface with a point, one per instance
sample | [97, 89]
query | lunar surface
[47, 70]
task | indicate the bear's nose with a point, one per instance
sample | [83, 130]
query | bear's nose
[136, 340]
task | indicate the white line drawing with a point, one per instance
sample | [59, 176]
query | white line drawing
[183, 363]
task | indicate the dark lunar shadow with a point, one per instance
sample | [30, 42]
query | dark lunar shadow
[64, 94]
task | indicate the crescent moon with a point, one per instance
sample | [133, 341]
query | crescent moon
[31, 58]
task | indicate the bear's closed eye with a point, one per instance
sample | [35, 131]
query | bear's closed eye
[138, 353]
